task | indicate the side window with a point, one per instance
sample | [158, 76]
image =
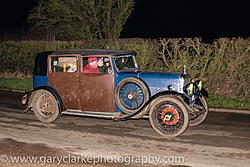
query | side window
[63, 64]
[125, 62]
[96, 65]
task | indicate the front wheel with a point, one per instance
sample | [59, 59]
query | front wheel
[201, 118]
[45, 106]
[168, 116]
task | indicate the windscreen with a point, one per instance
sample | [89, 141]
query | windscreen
[125, 62]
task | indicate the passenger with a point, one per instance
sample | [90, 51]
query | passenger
[100, 66]
[91, 67]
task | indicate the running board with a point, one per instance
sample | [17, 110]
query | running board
[109, 115]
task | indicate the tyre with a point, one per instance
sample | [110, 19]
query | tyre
[201, 118]
[168, 116]
[45, 106]
[130, 95]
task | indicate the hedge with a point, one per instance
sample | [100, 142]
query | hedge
[223, 65]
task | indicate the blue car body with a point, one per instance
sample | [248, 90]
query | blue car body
[156, 82]
[119, 91]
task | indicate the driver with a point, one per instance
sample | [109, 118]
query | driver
[91, 67]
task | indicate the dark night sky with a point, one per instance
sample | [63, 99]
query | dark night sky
[163, 18]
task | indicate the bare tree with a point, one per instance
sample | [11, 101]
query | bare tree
[81, 19]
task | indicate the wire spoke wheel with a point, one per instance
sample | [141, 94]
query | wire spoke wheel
[45, 106]
[168, 116]
[130, 95]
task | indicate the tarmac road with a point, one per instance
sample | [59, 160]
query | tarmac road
[223, 140]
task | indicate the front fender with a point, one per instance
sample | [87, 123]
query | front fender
[126, 117]
[204, 92]
[165, 93]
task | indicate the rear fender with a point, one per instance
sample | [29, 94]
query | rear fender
[29, 95]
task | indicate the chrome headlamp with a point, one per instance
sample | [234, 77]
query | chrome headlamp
[198, 84]
[193, 87]
[190, 89]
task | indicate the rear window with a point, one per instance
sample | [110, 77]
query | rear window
[41, 65]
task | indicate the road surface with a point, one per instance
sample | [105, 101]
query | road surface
[223, 140]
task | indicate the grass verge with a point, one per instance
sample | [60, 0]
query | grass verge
[221, 102]
[17, 84]
[213, 100]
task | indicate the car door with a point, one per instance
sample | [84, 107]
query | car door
[63, 76]
[96, 89]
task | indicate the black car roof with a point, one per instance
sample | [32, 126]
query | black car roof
[88, 52]
[41, 58]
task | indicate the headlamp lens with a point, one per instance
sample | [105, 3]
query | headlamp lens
[200, 85]
[190, 89]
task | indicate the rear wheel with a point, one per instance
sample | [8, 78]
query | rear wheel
[45, 106]
[168, 116]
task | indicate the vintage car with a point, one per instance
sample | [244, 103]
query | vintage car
[116, 89]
